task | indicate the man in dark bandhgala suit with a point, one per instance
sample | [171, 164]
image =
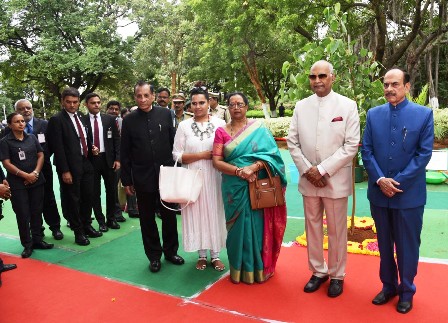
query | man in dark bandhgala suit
[396, 147]
[147, 138]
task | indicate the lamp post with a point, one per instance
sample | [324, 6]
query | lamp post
[43, 106]
[4, 112]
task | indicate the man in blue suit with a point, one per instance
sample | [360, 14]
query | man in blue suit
[396, 147]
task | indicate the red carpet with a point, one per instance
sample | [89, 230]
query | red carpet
[41, 292]
[282, 298]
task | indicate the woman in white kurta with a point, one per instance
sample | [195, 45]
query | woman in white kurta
[203, 222]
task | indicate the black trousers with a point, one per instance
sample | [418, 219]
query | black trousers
[150, 235]
[27, 205]
[76, 198]
[102, 170]
[50, 208]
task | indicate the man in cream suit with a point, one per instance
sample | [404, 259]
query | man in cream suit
[323, 139]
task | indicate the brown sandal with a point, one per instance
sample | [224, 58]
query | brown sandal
[217, 264]
[201, 264]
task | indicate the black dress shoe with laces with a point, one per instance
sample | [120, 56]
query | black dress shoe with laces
[154, 266]
[26, 253]
[81, 239]
[112, 224]
[57, 234]
[404, 307]
[314, 283]
[176, 259]
[336, 287]
[120, 218]
[383, 297]
[103, 227]
[91, 232]
[8, 267]
[42, 245]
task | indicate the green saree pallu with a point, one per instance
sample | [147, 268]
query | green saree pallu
[254, 236]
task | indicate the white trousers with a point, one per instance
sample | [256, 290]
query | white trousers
[336, 214]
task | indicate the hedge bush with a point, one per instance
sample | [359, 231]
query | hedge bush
[260, 114]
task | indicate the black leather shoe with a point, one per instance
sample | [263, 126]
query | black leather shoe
[91, 232]
[57, 234]
[42, 245]
[176, 259]
[154, 266]
[26, 253]
[81, 239]
[314, 283]
[103, 227]
[120, 218]
[336, 287]
[404, 307]
[383, 297]
[8, 267]
[133, 214]
[112, 223]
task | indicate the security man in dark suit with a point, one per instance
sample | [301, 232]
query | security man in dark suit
[147, 138]
[106, 162]
[38, 127]
[71, 143]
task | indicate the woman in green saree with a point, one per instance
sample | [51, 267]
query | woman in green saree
[254, 237]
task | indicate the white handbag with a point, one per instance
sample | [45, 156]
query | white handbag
[179, 185]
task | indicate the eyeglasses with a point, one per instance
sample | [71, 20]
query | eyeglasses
[312, 77]
[238, 104]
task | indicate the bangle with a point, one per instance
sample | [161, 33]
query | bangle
[36, 173]
[238, 170]
[18, 172]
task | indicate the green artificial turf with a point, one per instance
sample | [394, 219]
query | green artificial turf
[119, 254]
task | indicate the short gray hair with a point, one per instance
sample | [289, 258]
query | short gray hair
[20, 101]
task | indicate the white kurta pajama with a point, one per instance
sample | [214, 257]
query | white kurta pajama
[203, 222]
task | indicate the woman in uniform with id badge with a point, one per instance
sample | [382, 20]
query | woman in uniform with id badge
[23, 158]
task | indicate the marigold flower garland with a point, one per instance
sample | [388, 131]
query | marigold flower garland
[367, 247]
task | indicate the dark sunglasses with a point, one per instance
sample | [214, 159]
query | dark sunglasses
[203, 88]
[320, 76]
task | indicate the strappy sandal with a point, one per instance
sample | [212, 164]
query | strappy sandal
[202, 263]
[217, 264]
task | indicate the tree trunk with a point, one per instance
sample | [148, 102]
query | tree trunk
[173, 82]
[251, 67]
[436, 72]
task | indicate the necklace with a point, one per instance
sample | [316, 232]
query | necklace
[231, 128]
[208, 130]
